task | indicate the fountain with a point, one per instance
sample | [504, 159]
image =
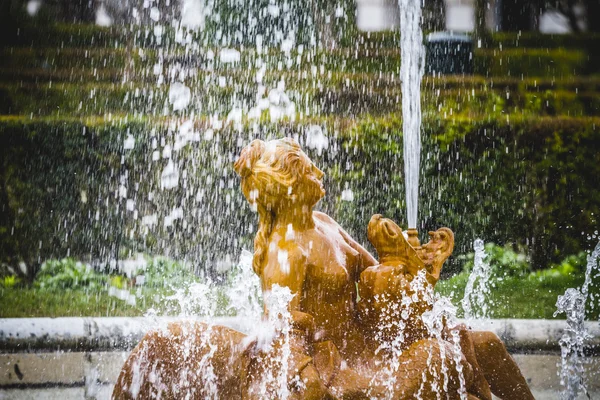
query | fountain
[325, 319]
[411, 71]
[474, 301]
[399, 341]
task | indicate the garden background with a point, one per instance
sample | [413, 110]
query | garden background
[510, 155]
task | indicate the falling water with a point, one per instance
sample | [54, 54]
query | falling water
[439, 323]
[274, 382]
[477, 291]
[411, 71]
[572, 342]
[213, 80]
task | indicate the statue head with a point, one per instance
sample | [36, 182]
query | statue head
[391, 243]
[437, 250]
[277, 176]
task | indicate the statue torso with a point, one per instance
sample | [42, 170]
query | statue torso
[327, 290]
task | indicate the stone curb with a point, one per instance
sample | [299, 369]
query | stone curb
[123, 333]
[86, 333]
[526, 335]
[91, 375]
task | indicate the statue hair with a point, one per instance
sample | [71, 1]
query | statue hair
[270, 172]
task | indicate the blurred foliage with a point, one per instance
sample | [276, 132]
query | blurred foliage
[506, 179]
[502, 260]
[68, 274]
[526, 62]
[162, 272]
[10, 281]
[506, 97]
[508, 156]
[31, 302]
[573, 265]
[521, 294]
[68, 287]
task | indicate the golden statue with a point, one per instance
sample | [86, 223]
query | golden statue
[339, 348]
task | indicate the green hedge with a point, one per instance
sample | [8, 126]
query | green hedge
[83, 35]
[527, 181]
[511, 62]
[46, 166]
[525, 62]
[74, 99]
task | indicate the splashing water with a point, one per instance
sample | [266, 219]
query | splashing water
[477, 291]
[572, 343]
[245, 293]
[215, 75]
[442, 318]
[243, 296]
[411, 71]
[439, 321]
[276, 365]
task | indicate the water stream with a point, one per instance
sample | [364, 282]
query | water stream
[411, 72]
[475, 300]
[572, 343]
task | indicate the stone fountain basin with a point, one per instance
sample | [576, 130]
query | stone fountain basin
[77, 358]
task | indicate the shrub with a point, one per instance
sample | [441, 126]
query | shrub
[68, 274]
[162, 272]
[10, 281]
[573, 265]
[528, 181]
[503, 261]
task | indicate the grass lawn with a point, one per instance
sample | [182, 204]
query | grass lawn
[510, 298]
[527, 297]
[31, 302]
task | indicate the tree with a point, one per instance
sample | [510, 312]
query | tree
[434, 15]
[519, 15]
[481, 31]
[592, 11]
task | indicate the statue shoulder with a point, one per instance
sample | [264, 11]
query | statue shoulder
[321, 216]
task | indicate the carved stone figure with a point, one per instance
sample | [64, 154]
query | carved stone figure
[339, 346]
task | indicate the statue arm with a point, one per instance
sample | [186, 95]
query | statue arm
[366, 259]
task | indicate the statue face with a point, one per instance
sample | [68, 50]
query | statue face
[311, 189]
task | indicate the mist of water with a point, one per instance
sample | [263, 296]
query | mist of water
[411, 71]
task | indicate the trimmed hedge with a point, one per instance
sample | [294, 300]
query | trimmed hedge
[558, 63]
[511, 62]
[84, 35]
[78, 99]
[584, 40]
[65, 185]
